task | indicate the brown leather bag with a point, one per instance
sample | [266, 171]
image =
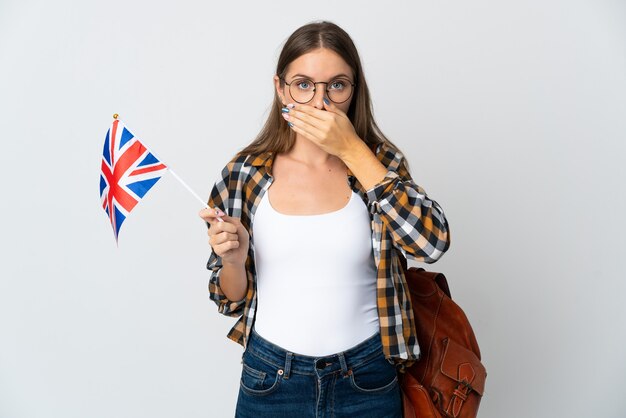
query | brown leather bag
[448, 380]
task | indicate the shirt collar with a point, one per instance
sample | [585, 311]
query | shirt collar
[264, 159]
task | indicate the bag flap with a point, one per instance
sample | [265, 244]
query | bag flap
[461, 364]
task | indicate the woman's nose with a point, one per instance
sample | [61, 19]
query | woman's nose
[318, 98]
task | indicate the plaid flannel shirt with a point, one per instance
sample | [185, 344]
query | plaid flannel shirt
[403, 219]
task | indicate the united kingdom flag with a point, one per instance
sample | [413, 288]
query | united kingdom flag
[129, 170]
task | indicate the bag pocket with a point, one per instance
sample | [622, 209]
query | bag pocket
[460, 382]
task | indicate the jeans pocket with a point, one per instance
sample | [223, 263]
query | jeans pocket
[374, 376]
[258, 376]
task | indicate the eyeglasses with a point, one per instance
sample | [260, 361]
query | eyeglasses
[302, 90]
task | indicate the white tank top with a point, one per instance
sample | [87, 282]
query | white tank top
[316, 278]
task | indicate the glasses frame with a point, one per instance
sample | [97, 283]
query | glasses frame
[315, 83]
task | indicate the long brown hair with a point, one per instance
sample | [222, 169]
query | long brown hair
[276, 136]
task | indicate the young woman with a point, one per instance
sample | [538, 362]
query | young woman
[306, 226]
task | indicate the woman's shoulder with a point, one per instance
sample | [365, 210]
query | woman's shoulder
[239, 160]
[243, 163]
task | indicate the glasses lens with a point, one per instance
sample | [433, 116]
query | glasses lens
[302, 90]
[339, 90]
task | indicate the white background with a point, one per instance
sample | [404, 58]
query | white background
[512, 115]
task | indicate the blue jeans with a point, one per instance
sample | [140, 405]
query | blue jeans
[358, 382]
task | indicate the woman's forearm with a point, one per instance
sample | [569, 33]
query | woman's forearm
[234, 281]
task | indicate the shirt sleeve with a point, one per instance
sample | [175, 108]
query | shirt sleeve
[417, 223]
[219, 199]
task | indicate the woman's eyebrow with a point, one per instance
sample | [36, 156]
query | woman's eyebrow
[309, 77]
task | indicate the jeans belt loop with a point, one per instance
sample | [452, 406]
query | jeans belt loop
[288, 358]
[344, 366]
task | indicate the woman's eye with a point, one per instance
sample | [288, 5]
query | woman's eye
[337, 85]
[304, 84]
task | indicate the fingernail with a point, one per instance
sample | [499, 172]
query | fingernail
[286, 116]
[290, 124]
[285, 110]
[219, 212]
[326, 100]
[291, 105]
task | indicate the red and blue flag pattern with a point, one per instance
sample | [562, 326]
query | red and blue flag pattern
[129, 170]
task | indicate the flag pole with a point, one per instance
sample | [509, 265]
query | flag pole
[191, 191]
[202, 202]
